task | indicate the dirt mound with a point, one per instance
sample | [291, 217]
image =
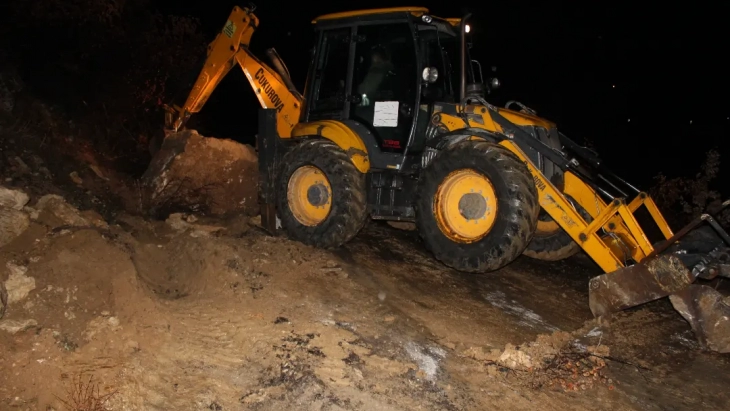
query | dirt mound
[57, 254]
[198, 312]
[194, 173]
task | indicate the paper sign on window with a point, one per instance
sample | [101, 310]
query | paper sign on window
[386, 114]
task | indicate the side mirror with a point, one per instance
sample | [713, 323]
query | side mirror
[494, 83]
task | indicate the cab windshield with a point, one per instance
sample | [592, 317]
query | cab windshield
[440, 47]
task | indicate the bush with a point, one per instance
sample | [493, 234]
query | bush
[108, 64]
[684, 198]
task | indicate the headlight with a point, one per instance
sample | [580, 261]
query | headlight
[430, 74]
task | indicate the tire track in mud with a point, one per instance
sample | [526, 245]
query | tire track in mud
[204, 354]
[224, 351]
[210, 356]
[268, 324]
[512, 305]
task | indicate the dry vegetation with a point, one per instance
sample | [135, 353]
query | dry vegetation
[108, 64]
[685, 198]
[84, 395]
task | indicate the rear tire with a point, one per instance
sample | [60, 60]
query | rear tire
[511, 213]
[551, 242]
[321, 196]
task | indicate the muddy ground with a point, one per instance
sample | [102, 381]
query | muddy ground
[195, 313]
[173, 316]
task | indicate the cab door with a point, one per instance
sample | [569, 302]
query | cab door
[385, 82]
[329, 99]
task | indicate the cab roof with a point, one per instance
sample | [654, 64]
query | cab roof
[416, 11]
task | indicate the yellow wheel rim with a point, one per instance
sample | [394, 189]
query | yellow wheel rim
[465, 206]
[309, 194]
[547, 226]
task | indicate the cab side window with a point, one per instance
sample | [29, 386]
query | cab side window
[331, 74]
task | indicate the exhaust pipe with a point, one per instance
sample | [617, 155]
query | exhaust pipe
[462, 35]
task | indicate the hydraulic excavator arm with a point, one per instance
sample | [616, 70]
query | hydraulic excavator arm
[273, 86]
[636, 270]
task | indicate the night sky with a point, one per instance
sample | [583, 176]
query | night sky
[641, 80]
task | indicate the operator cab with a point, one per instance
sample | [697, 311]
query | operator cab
[385, 69]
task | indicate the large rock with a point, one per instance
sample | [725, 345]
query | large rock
[15, 326]
[13, 221]
[11, 198]
[18, 285]
[708, 313]
[54, 211]
[12, 224]
[194, 173]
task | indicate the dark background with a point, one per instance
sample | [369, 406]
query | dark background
[642, 81]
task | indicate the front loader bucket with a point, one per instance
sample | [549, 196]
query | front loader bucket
[655, 277]
[649, 280]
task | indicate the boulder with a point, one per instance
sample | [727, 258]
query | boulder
[708, 313]
[179, 222]
[193, 173]
[12, 224]
[18, 285]
[54, 211]
[13, 221]
[16, 326]
[11, 198]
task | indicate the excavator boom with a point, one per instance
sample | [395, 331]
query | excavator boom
[273, 88]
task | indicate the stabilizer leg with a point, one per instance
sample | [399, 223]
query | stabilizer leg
[270, 150]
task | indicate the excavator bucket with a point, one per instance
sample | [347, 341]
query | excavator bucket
[640, 283]
[637, 271]
[660, 275]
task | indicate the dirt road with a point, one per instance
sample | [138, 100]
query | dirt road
[190, 316]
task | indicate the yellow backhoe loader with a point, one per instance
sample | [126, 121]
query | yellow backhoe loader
[393, 124]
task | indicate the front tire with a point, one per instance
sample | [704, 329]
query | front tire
[551, 242]
[321, 196]
[477, 206]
